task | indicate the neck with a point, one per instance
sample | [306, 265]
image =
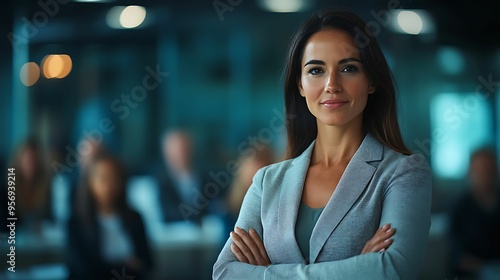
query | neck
[106, 210]
[337, 144]
[184, 169]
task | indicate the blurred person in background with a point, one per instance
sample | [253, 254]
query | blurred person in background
[248, 166]
[4, 213]
[180, 181]
[105, 235]
[475, 221]
[33, 181]
[92, 147]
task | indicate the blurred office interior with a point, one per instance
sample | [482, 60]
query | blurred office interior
[130, 74]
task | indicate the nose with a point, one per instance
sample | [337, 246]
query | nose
[332, 84]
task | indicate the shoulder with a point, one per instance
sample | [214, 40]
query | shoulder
[408, 173]
[273, 172]
[397, 163]
[132, 217]
[136, 215]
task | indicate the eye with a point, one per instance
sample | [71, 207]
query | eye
[350, 69]
[315, 71]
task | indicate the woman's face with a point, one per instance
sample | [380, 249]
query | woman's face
[104, 183]
[27, 163]
[333, 79]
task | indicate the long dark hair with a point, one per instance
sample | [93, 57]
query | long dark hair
[40, 172]
[379, 116]
[86, 204]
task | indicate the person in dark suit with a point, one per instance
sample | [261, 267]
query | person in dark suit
[181, 184]
[475, 220]
[106, 237]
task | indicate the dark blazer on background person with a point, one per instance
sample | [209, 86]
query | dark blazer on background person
[474, 232]
[84, 250]
[173, 208]
[379, 186]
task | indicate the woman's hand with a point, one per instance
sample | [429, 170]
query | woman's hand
[248, 247]
[380, 241]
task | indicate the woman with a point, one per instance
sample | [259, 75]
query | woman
[248, 165]
[106, 238]
[351, 202]
[33, 203]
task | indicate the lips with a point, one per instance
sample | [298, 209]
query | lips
[334, 104]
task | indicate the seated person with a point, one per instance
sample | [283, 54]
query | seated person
[180, 183]
[106, 238]
[248, 166]
[33, 201]
[475, 219]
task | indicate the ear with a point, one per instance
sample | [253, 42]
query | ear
[371, 88]
[301, 89]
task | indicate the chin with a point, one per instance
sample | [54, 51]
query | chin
[332, 121]
[338, 118]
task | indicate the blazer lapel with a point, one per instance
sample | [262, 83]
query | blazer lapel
[353, 182]
[290, 197]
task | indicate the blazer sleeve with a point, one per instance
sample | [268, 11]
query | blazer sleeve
[143, 250]
[406, 206]
[227, 266]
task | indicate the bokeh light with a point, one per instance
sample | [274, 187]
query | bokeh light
[113, 17]
[29, 73]
[67, 66]
[284, 6]
[410, 22]
[56, 66]
[132, 16]
[451, 60]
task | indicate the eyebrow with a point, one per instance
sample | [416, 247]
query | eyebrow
[342, 61]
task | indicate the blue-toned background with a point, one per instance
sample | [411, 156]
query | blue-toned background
[212, 69]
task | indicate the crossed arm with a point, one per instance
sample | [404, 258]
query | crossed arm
[406, 207]
[248, 247]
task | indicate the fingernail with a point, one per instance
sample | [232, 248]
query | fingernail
[388, 230]
[251, 230]
[386, 226]
[383, 250]
[387, 240]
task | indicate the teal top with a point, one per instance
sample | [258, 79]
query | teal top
[306, 220]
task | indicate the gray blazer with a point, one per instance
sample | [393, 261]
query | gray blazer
[379, 186]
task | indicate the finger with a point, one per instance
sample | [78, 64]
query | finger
[238, 254]
[251, 244]
[237, 240]
[383, 228]
[376, 246]
[382, 235]
[384, 245]
[260, 245]
[380, 232]
[377, 241]
[386, 234]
